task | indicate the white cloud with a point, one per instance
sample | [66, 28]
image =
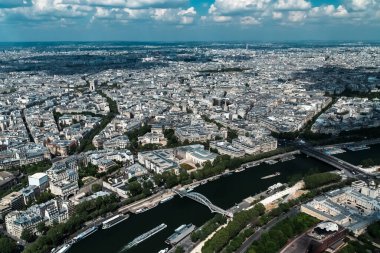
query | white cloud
[296, 16]
[221, 19]
[224, 7]
[277, 15]
[249, 21]
[155, 3]
[175, 16]
[341, 11]
[88, 11]
[292, 5]
[360, 5]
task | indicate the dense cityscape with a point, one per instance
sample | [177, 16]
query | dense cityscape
[93, 135]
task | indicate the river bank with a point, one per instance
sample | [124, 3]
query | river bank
[224, 192]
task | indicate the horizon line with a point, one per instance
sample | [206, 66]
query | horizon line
[198, 41]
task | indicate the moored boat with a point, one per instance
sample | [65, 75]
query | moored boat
[85, 233]
[114, 221]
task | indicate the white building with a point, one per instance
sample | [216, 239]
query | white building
[40, 180]
[348, 207]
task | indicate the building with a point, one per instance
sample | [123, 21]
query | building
[225, 148]
[64, 188]
[199, 132]
[40, 180]
[63, 176]
[347, 207]
[158, 160]
[52, 211]
[153, 138]
[30, 193]
[15, 200]
[119, 142]
[93, 85]
[12, 201]
[325, 235]
[253, 146]
[195, 154]
[135, 170]
[7, 180]
[18, 221]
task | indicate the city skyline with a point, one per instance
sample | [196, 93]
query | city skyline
[188, 20]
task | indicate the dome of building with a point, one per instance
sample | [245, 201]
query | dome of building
[328, 226]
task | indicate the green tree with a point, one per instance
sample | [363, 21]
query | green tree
[179, 249]
[135, 188]
[44, 197]
[96, 187]
[28, 236]
[7, 245]
[320, 179]
[41, 227]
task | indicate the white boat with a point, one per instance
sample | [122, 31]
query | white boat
[85, 233]
[114, 221]
[239, 170]
[164, 250]
[180, 233]
[64, 248]
[144, 236]
[271, 162]
[144, 209]
[272, 175]
[166, 199]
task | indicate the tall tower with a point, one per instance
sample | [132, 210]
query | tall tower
[92, 86]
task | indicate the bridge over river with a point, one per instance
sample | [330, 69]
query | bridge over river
[204, 201]
[349, 169]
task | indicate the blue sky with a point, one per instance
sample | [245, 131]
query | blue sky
[189, 20]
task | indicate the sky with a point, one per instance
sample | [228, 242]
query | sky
[189, 20]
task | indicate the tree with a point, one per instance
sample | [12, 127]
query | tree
[135, 188]
[7, 245]
[368, 163]
[320, 179]
[147, 187]
[186, 166]
[44, 197]
[96, 187]
[28, 236]
[179, 249]
[41, 227]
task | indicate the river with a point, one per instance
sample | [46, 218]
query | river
[224, 192]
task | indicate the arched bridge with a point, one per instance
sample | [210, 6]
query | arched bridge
[204, 201]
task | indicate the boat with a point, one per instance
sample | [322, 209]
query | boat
[141, 210]
[144, 209]
[64, 248]
[85, 233]
[287, 158]
[180, 233]
[239, 170]
[164, 250]
[227, 173]
[271, 162]
[114, 221]
[274, 187]
[357, 147]
[272, 175]
[144, 236]
[166, 199]
[189, 189]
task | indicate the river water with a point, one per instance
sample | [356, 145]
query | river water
[224, 192]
